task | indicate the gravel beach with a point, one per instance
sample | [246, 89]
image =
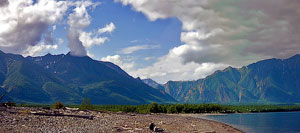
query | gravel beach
[21, 119]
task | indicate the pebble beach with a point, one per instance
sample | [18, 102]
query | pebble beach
[23, 119]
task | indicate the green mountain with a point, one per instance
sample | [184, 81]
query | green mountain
[69, 79]
[267, 81]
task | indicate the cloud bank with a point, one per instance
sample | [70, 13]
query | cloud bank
[222, 32]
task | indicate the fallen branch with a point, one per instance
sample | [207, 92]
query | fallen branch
[64, 115]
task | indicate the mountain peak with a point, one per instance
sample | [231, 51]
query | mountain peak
[139, 79]
[48, 54]
[228, 68]
[296, 56]
[69, 54]
[150, 82]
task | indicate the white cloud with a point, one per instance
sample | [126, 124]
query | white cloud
[170, 67]
[116, 59]
[88, 41]
[108, 28]
[235, 32]
[37, 49]
[149, 58]
[78, 20]
[134, 41]
[79, 40]
[24, 23]
[131, 49]
[60, 41]
[90, 54]
[48, 38]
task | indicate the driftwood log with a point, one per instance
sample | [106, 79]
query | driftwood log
[65, 115]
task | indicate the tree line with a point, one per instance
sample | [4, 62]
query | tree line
[176, 108]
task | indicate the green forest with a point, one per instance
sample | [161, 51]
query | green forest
[196, 108]
[177, 108]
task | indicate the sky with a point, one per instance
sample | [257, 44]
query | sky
[158, 39]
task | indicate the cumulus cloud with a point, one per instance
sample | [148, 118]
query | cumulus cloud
[3, 3]
[23, 23]
[131, 49]
[35, 50]
[79, 40]
[28, 24]
[109, 28]
[88, 40]
[231, 28]
[78, 21]
[116, 59]
[47, 44]
[233, 32]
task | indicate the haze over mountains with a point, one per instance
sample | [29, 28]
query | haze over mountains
[69, 79]
[266, 81]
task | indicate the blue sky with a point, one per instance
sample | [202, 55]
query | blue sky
[159, 39]
[132, 29]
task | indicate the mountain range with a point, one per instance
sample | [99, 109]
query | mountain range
[69, 79]
[266, 81]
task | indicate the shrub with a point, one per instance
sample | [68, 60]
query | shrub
[58, 105]
[86, 104]
[22, 105]
[24, 112]
[154, 108]
[10, 104]
[172, 109]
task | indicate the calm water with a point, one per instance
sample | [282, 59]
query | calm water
[287, 122]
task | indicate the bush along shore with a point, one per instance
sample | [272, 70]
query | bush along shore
[197, 108]
[178, 108]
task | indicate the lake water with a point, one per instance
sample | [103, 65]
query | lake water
[278, 122]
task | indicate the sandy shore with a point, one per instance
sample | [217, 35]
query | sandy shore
[22, 120]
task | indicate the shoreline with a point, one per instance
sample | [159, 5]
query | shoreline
[23, 121]
[224, 124]
[202, 116]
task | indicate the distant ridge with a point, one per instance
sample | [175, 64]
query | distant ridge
[266, 81]
[154, 84]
